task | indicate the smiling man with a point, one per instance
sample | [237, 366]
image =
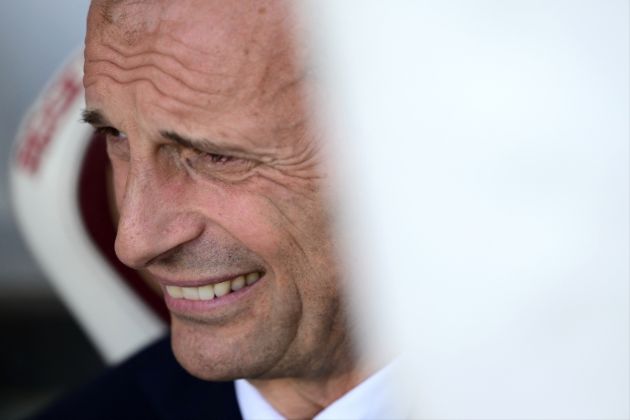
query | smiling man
[221, 194]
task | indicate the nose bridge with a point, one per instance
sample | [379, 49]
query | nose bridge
[150, 225]
[140, 194]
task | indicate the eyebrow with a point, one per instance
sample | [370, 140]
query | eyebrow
[200, 144]
[94, 117]
[97, 119]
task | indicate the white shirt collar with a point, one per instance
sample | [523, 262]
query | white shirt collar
[373, 398]
[253, 406]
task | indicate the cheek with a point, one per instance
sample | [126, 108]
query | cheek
[255, 221]
[288, 230]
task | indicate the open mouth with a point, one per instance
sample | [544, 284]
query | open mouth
[210, 291]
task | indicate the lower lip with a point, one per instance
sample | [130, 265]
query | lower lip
[187, 306]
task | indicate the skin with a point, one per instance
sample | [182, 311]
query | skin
[248, 195]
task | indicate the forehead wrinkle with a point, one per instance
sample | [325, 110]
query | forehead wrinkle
[151, 75]
[219, 81]
[152, 51]
[166, 64]
[160, 54]
[228, 56]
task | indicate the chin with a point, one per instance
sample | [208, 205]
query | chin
[211, 354]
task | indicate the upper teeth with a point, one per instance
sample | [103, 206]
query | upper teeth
[209, 291]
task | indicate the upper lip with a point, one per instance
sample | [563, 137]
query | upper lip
[201, 282]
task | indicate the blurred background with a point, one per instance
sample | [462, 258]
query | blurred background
[35, 38]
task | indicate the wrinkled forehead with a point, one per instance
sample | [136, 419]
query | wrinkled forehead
[218, 33]
[226, 53]
[198, 64]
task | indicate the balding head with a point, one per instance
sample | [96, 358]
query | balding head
[224, 22]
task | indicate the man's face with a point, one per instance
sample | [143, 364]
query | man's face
[217, 180]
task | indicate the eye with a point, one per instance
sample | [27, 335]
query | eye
[110, 133]
[197, 159]
[217, 158]
[116, 141]
[216, 164]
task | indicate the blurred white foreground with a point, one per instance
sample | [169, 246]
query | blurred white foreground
[482, 156]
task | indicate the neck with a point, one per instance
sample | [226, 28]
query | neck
[297, 398]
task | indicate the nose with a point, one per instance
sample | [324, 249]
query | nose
[154, 218]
